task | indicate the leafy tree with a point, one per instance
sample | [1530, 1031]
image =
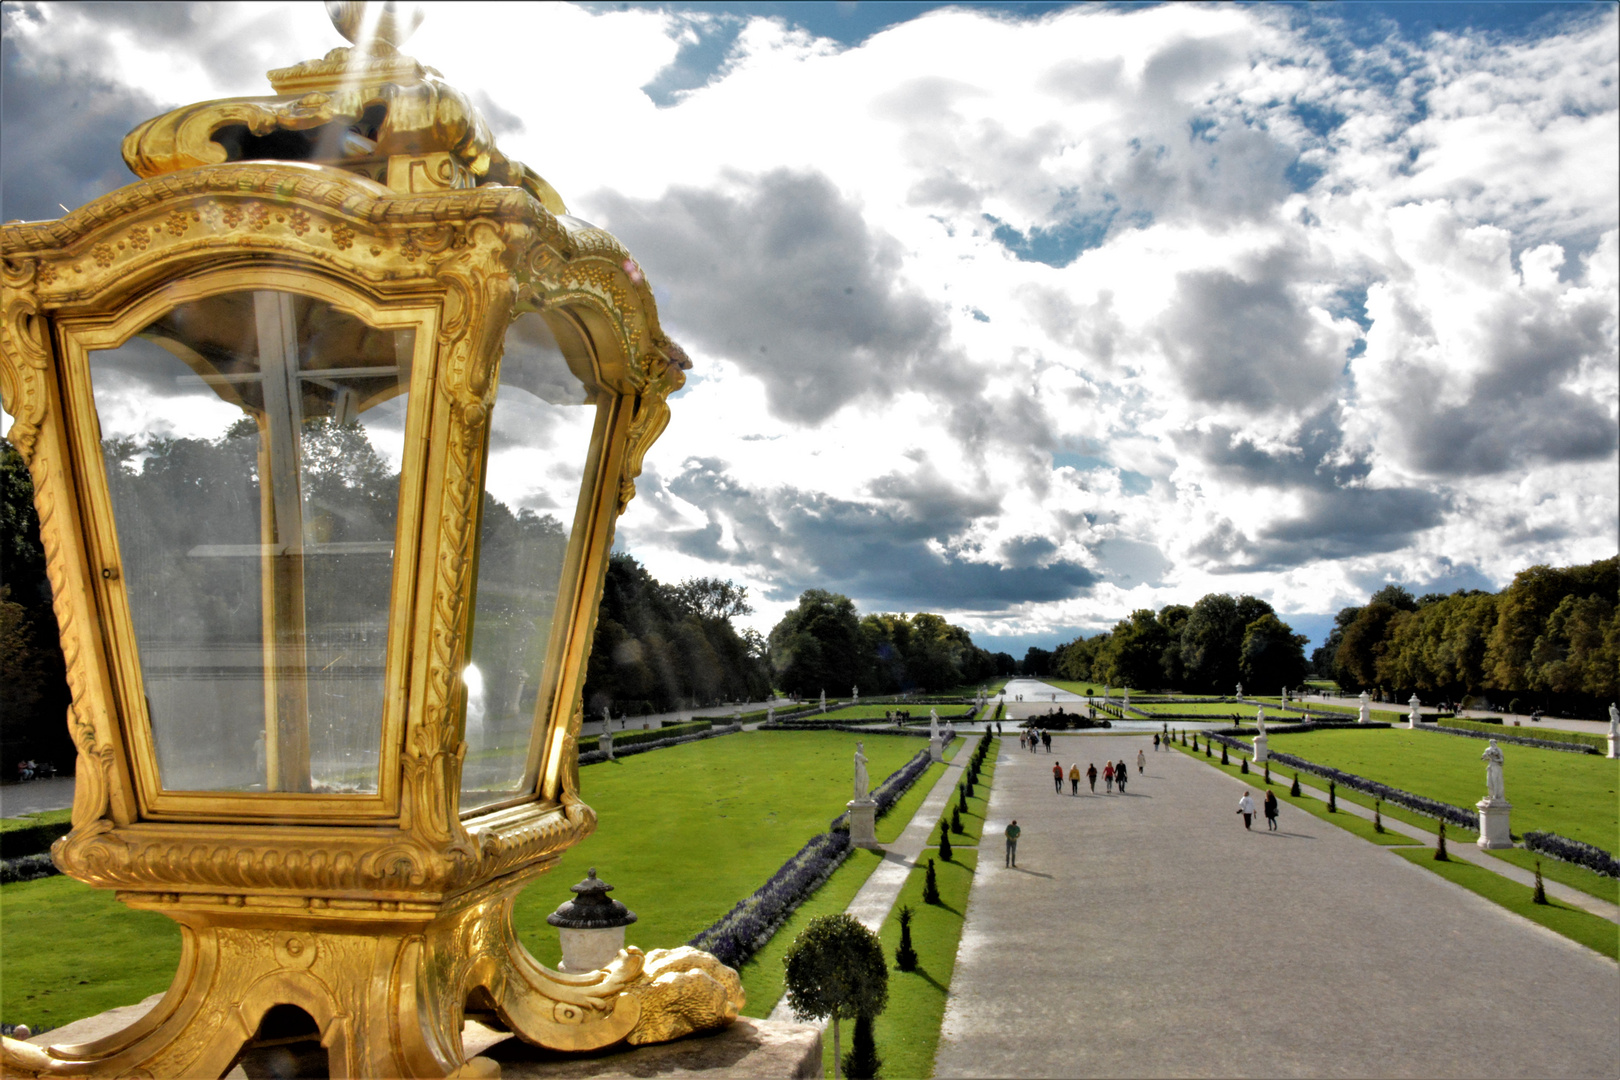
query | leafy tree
[1272, 654]
[1211, 643]
[817, 645]
[1356, 663]
[1132, 655]
[1037, 662]
[836, 968]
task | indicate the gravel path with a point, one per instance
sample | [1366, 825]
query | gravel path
[1150, 935]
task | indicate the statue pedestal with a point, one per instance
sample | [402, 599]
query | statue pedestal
[862, 822]
[936, 749]
[1493, 823]
[1614, 747]
[604, 743]
[1411, 721]
[1260, 752]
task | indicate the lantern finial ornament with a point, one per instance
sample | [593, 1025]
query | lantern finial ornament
[326, 638]
[389, 23]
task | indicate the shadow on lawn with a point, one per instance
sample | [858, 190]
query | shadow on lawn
[922, 972]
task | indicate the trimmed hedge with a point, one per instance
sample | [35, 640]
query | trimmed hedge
[1590, 856]
[668, 731]
[32, 839]
[594, 757]
[1546, 738]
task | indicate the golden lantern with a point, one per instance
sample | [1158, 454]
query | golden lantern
[330, 417]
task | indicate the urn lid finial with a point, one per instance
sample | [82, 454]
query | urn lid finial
[591, 909]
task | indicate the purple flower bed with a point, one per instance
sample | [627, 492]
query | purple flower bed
[26, 868]
[1418, 804]
[745, 929]
[1590, 856]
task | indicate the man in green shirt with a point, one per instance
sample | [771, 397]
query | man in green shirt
[1013, 832]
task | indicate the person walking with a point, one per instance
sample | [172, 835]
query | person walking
[1108, 776]
[1013, 833]
[1155, 742]
[1023, 741]
[1270, 807]
[1246, 808]
[1122, 772]
[1091, 774]
[1057, 777]
[1074, 779]
[1141, 761]
[1046, 740]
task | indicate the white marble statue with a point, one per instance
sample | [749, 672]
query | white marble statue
[1285, 695]
[607, 720]
[933, 723]
[1239, 689]
[824, 701]
[1614, 722]
[861, 782]
[1259, 719]
[855, 694]
[1412, 718]
[1364, 713]
[1493, 772]
[770, 714]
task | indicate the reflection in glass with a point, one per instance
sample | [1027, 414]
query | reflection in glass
[540, 434]
[253, 443]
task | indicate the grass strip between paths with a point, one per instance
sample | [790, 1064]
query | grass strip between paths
[1593, 931]
[973, 820]
[907, 1034]
[892, 824]
[763, 975]
[1597, 934]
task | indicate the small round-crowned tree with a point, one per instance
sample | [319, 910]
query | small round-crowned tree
[836, 969]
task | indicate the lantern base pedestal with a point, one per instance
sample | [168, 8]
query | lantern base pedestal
[385, 990]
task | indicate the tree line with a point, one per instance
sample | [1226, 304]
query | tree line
[1550, 640]
[1206, 648]
[824, 643]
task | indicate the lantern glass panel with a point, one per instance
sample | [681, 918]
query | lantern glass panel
[539, 439]
[253, 443]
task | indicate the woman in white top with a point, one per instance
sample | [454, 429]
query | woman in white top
[1246, 808]
[1141, 761]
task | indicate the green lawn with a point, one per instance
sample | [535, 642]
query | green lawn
[685, 832]
[1576, 877]
[42, 817]
[892, 824]
[1074, 687]
[667, 817]
[907, 1033]
[71, 951]
[919, 713]
[1573, 795]
[1590, 930]
[1214, 711]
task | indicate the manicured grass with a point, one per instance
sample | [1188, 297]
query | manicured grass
[1380, 715]
[687, 831]
[907, 1034]
[1573, 795]
[919, 713]
[1574, 738]
[1595, 933]
[71, 951]
[973, 819]
[1076, 687]
[892, 824]
[1576, 877]
[1217, 711]
[28, 821]
[763, 975]
[1280, 781]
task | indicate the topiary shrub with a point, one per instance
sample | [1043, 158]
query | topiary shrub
[945, 844]
[862, 1062]
[1243, 765]
[836, 968]
[1224, 759]
[1268, 773]
[956, 822]
[1440, 849]
[1540, 895]
[1378, 817]
[1294, 790]
[905, 957]
[931, 886]
[1333, 798]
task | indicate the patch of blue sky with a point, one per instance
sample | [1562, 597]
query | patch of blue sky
[1318, 120]
[1302, 175]
[1057, 245]
[697, 63]
[1351, 303]
[1083, 462]
[978, 315]
[1135, 483]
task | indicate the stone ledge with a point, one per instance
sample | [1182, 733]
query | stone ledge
[748, 1048]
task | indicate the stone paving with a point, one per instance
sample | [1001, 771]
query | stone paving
[1150, 935]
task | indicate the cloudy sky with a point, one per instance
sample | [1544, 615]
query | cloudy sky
[1034, 314]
